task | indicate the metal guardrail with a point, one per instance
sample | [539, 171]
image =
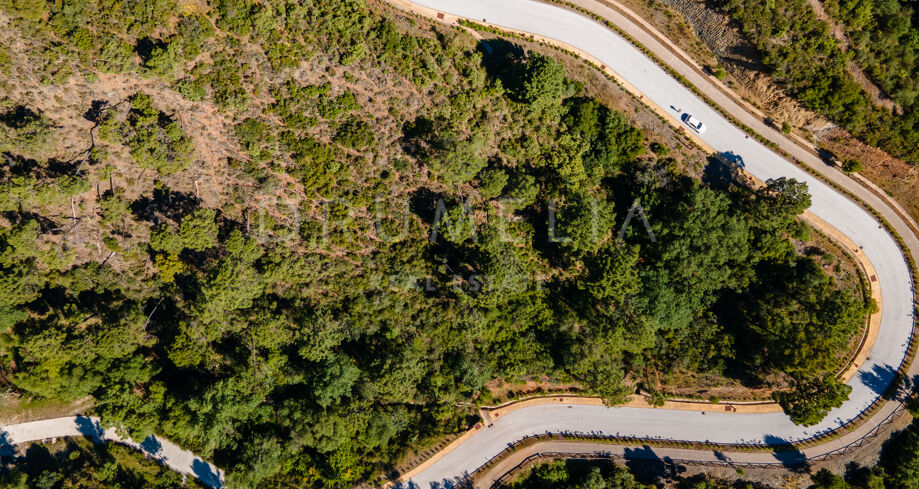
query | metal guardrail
[844, 450]
[871, 435]
[599, 455]
[848, 448]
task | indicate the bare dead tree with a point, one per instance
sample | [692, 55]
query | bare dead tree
[147, 321]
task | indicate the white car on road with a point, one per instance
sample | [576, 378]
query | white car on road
[694, 123]
[848, 217]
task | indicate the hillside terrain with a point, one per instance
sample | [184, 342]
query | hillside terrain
[774, 55]
[303, 238]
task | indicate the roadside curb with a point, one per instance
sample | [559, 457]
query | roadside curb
[881, 405]
[821, 225]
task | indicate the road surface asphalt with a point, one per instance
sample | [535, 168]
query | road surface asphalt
[769, 428]
[164, 451]
[848, 217]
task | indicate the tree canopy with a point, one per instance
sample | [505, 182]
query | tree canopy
[275, 298]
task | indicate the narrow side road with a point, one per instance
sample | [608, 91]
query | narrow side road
[658, 89]
[164, 451]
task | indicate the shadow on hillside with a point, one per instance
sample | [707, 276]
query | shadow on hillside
[165, 202]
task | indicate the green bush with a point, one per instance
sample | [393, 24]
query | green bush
[225, 81]
[116, 56]
[154, 140]
[332, 108]
[162, 59]
[164, 238]
[659, 149]
[198, 231]
[852, 166]
[355, 133]
[115, 212]
[191, 88]
[257, 138]
[492, 182]
[717, 71]
[543, 82]
[25, 132]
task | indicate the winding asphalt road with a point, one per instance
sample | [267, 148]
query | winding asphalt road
[768, 428]
[659, 88]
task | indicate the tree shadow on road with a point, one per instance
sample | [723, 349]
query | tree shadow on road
[152, 446]
[89, 427]
[206, 474]
[787, 454]
[455, 483]
[648, 465]
[7, 448]
[726, 170]
[884, 381]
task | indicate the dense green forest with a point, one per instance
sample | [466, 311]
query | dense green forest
[885, 38]
[303, 319]
[898, 468]
[80, 464]
[801, 53]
